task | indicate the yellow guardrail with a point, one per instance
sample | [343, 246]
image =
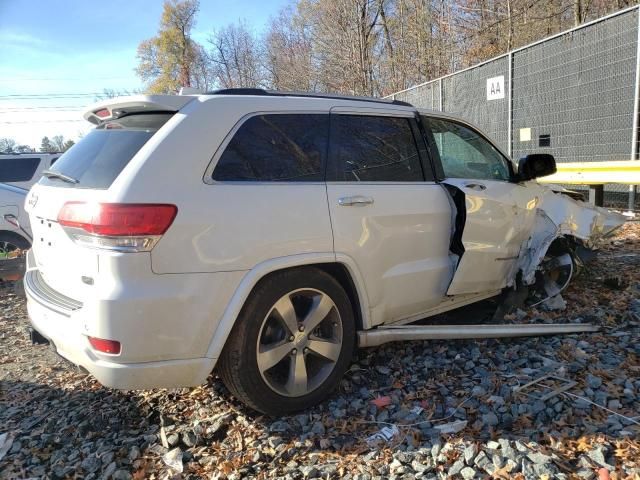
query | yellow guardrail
[596, 173]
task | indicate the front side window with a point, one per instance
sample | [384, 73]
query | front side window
[276, 147]
[464, 153]
[18, 169]
[367, 148]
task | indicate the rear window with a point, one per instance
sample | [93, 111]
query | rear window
[19, 169]
[97, 159]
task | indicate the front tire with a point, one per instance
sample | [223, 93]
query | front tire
[291, 343]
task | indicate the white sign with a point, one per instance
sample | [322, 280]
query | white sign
[525, 134]
[495, 88]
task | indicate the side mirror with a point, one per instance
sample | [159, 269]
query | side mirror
[536, 165]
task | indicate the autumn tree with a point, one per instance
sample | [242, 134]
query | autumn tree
[172, 59]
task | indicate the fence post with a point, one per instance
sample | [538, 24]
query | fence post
[510, 107]
[636, 99]
[440, 89]
[596, 195]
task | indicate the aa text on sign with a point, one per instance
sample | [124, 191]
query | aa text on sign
[495, 88]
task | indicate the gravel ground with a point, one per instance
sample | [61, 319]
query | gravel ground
[456, 409]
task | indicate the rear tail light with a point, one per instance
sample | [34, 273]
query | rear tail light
[125, 227]
[105, 346]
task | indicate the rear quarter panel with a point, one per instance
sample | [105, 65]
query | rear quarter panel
[221, 226]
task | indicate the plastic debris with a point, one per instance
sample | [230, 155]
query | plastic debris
[555, 303]
[417, 410]
[615, 283]
[451, 427]
[163, 438]
[385, 435]
[5, 444]
[545, 387]
[173, 459]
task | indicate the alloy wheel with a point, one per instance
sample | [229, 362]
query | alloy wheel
[299, 343]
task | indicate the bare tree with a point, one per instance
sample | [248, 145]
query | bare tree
[235, 57]
[289, 59]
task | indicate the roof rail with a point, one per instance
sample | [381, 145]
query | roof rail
[275, 93]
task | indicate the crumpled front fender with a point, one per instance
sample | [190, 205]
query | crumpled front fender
[559, 215]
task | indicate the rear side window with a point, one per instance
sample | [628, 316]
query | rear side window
[19, 169]
[276, 147]
[373, 149]
[97, 159]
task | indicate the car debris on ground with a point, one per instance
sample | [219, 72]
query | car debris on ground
[541, 407]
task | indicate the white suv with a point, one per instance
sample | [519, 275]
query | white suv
[269, 234]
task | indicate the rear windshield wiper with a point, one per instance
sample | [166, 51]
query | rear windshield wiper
[61, 176]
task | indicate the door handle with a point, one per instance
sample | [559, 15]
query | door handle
[357, 200]
[475, 186]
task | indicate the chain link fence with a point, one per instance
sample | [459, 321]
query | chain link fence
[572, 95]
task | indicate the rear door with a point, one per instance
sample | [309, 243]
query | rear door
[387, 217]
[498, 213]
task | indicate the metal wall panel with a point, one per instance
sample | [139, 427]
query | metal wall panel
[424, 96]
[465, 95]
[578, 89]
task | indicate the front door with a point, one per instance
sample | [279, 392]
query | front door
[499, 213]
[386, 218]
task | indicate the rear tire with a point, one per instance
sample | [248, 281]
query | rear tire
[291, 343]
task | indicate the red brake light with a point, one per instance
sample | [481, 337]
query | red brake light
[118, 219]
[105, 346]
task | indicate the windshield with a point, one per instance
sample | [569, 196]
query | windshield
[97, 159]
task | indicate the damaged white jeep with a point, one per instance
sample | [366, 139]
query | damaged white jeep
[269, 234]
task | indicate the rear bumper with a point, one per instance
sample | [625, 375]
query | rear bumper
[65, 334]
[159, 348]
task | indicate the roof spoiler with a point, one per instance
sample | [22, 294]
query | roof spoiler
[116, 107]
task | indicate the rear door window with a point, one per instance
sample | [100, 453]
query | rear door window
[276, 148]
[367, 148]
[18, 169]
[98, 158]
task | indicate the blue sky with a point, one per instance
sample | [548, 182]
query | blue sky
[76, 47]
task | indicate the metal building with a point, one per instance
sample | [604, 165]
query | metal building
[574, 95]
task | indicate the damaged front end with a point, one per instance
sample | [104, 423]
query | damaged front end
[566, 232]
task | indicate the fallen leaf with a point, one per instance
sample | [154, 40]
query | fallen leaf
[381, 402]
[603, 474]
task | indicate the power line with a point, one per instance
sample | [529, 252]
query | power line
[47, 96]
[47, 107]
[13, 79]
[39, 121]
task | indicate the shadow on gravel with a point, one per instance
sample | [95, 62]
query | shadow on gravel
[75, 431]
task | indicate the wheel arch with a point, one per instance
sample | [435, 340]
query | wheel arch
[13, 235]
[342, 268]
